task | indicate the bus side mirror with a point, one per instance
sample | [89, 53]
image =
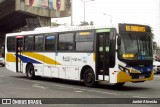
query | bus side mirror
[119, 41]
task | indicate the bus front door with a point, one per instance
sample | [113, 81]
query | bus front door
[19, 51]
[102, 54]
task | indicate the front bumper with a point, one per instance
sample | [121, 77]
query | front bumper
[137, 77]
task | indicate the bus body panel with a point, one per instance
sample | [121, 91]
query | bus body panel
[10, 61]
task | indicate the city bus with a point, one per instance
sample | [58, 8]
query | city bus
[87, 53]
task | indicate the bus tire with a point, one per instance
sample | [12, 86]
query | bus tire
[89, 77]
[30, 71]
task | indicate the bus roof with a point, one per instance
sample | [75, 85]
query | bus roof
[52, 29]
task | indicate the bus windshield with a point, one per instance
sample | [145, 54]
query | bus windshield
[136, 47]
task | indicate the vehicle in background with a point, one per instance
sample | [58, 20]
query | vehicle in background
[156, 66]
[2, 62]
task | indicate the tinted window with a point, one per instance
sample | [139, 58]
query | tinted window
[84, 41]
[11, 43]
[85, 36]
[66, 42]
[50, 43]
[39, 43]
[29, 43]
[84, 46]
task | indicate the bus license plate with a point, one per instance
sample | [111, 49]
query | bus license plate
[141, 77]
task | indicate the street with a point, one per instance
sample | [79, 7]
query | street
[14, 85]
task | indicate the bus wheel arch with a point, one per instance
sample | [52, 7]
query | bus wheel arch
[88, 76]
[30, 71]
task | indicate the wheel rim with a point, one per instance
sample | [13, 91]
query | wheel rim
[89, 78]
[30, 72]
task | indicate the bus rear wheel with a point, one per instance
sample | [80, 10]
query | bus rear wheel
[89, 77]
[30, 71]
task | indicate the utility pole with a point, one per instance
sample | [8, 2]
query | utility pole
[71, 1]
[84, 2]
[109, 17]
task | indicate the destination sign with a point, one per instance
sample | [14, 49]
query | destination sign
[127, 28]
[84, 33]
[136, 28]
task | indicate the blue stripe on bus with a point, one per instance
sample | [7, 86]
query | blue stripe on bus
[25, 59]
[147, 69]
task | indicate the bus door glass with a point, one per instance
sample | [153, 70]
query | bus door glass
[102, 53]
[19, 50]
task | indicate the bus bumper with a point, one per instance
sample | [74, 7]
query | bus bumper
[124, 77]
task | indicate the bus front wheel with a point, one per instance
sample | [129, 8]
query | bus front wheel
[89, 77]
[30, 71]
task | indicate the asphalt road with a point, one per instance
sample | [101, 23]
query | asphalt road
[14, 85]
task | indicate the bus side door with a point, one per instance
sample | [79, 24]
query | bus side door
[102, 54]
[19, 52]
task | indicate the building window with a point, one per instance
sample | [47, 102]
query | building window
[39, 43]
[50, 43]
[11, 44]
[66, 42]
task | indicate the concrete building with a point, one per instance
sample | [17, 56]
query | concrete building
[28, 14]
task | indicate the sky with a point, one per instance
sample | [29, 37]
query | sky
[112, 12]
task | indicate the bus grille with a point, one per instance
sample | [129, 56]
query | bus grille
[138, 76]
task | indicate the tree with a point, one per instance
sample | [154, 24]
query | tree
[155, 45]
[91, 23]
[84, 23]
[55, 24]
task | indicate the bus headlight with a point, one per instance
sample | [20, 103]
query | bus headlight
[127, 71]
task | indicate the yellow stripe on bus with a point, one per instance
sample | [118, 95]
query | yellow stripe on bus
[94, 57]
[11, 58]
[42, 58]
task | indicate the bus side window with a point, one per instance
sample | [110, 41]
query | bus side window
[29, 43]
[50, 43]
[66, 42]
[11, 44]
[84, 41]
[39, 43]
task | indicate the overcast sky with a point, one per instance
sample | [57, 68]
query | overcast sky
[103, 12]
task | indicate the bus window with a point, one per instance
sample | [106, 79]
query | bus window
[11, 44]
[66, 42]
[29, 43]
[84, 41]
[39, 43]
[50, 43]
[84, 46]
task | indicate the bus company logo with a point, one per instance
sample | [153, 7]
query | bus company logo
[66, 58]
[142, 70]
[84, 59]
[6, 101]
[149, 69]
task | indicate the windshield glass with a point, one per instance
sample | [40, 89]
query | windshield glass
[136, 47]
